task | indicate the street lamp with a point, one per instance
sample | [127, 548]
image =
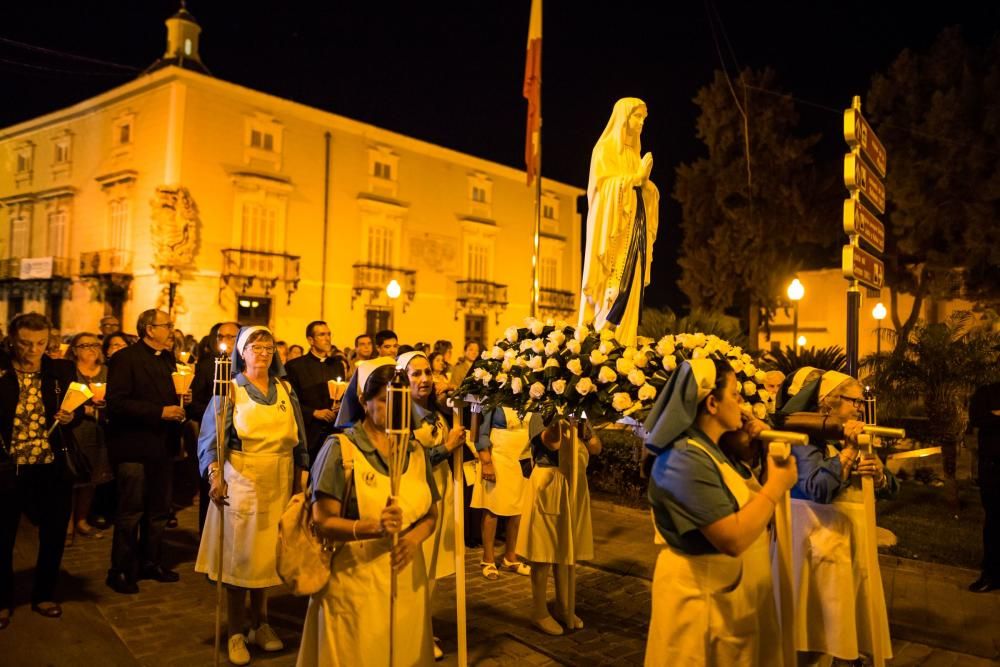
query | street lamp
[879, 312]
[393, 289]
[795, 292]
[800, 341]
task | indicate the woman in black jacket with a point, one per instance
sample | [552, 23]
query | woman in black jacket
[31, 389]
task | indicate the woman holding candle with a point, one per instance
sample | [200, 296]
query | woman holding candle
[266, 462]
[31, 390]
[85, 352]
[348, 621]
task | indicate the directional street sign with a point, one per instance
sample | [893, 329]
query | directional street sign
[859, 134]
[859, 219]
[859, 177]
[863, 267]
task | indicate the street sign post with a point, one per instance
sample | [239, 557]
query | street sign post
[859, 134]
[862, 266]
[859, 177]
[859, 220]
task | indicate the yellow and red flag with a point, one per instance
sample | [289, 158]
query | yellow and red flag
[533, 91]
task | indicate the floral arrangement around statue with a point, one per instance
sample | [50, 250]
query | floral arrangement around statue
[552, 368]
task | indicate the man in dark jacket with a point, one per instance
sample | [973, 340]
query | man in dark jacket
[984, 416]
[309, 375]
[144, 430]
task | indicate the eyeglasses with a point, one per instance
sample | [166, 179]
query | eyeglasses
[169, 325]
[88, 346]
[857, 402]
[262, 349]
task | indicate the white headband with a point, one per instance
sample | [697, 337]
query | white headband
[241, 340]
[704, 373]
[403, 360]
[366, 368]
[831, 380]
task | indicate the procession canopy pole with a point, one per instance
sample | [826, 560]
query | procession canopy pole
[397, 428]
[779, 449]
[221, 389]
[459, 491]
[568, 461]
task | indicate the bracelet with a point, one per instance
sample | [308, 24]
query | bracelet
[354, 528]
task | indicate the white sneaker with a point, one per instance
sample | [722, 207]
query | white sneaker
[238, 653]
[266, 638]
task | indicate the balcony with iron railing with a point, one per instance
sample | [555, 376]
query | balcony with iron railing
[556, 302]
[245, 270]
[478, 296]
[108, 262]
[36, 268]
[375, 280]
[10, 268]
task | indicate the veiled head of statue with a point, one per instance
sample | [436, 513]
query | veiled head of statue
[627, 117]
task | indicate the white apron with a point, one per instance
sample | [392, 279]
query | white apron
[505, 497]
[439, 548]
[259, 479]
[546, 535]
[713, 609]
[830, 581]
[347, 623]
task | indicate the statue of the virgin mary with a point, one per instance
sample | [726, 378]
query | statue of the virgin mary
[621, 225]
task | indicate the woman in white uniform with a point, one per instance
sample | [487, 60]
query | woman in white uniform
[504, 442]
[431, 430]
[266, 462]
[828, 567]
[713, 599]
[347, 623]
[549, 534]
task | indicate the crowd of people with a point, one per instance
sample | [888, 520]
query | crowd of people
[145, 446]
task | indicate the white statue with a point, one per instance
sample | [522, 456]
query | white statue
[621, 225]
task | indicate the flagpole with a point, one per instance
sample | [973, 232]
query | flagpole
[535, 257]
[533, 155]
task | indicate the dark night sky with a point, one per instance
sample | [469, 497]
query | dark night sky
[451, 73]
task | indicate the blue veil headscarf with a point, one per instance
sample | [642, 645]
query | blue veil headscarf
[676, 407]
[801, 391]
[351, 411]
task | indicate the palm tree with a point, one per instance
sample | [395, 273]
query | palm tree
[938, 368]
[789, 360]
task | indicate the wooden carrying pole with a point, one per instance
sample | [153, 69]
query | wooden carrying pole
[459, 493]
[221, 386]
[568, 461]
[871, 556]
[397, 427]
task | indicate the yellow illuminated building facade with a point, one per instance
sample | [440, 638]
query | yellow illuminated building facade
[298, 214]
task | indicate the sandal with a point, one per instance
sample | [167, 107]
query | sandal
[519, 567]
[490, 571]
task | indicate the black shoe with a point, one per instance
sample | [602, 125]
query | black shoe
[120, 583]
[159, 573]
[984, 584]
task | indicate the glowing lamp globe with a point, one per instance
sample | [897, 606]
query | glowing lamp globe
[796, 290]
[393, 289]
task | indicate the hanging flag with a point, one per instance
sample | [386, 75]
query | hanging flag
[533, 91]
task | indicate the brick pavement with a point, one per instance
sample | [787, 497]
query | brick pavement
[172, 624]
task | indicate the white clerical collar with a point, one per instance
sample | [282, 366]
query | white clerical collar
[317, 356]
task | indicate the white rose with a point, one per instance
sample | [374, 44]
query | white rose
[736, 364]
[509, 353]
[597, 358]
[524, 345]
[502, 378]
[641, 357]
[485, 354]
[749, 388]
[581, 333]
[496, 353]
[666, 346]
[557, 337]
[750, 370]
[584, 386]
[561, 324]
[511, 334]
[538, 346]
[747, 359]
[637, 377]
[759, 410]
[621, 401]
[573, 346]
[764, 395]
[759, 376]
[746, 409]
[607, 333]
[507, 365]
[723, 346]
[486, 379]
[574, 366]
[537, 327]
[549, 322]
[537, 390]
[698, 340]
[699, 352]
[552, 363]
[670, 362]
[647, 392]
[535, 363]
[478, 373]
[516, 385]
[606, 375]
[551, 349]
[559, 386]
[624, 365]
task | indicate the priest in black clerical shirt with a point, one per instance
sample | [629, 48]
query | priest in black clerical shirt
[309, 375]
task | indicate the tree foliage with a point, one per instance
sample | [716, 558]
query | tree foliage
[788, 360]
[938, 114]
[743, 241]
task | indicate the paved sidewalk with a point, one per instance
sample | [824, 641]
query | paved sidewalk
[172, 624]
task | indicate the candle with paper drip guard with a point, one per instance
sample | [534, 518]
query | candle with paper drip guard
[336, 388]
[98, 389]
[76, 395]
[183, 356]
[182, 383]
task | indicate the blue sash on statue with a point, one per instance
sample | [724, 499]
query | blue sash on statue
[636, 252]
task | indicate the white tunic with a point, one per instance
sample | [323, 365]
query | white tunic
[259, 480]
[347, 623]
[832, 589]
[439, 548]
[505, 496]
[714, 609]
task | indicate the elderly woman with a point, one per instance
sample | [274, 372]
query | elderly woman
[831, 586]
[85, 351]
[431, 430]
[348, 621]
[265, 463]
[713, 598]
[31, 482]
[549, 535]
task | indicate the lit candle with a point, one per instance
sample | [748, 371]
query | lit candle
[99, 389]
